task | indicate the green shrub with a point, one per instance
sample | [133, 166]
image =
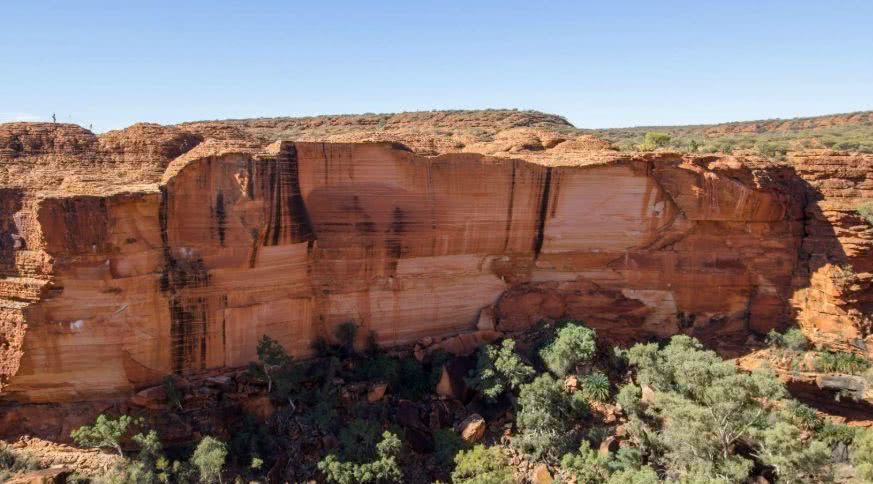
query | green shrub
[547, 417]
[644, 475]
[629, 397]
[771, 150]
[803, 416]
[841, 362]
[574, 345]
[209, 458]
[865, 210]
[833, 433]
[705, 407]
[383, 468]
[587, 466]
[862, 455]
[498, 370]
[793, 339]
[358, 440]
[482, 465]
[345, 335]
[654, 140]
[106, 432]
[781, 446]
[626, 459]
[447, 443]
[595, 386]
[13, 461]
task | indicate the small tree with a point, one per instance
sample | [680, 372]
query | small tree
[105, 433]
[794, 460]
[498, 370]
[574, 345]
[272, 357]
[482, 465]
[707, 408]
[209, 458]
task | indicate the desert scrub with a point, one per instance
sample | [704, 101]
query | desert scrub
[499, 369]
[843, 276]
[13, 461]
[865, 210]
[655, 140]
[482, 465]
[575, 345]
[788, 345]
[841, 362]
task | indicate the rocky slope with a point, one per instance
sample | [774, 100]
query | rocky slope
[156, 250]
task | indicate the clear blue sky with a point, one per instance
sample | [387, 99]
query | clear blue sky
[600, 64]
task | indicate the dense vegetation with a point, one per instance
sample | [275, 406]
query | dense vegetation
[679, 413]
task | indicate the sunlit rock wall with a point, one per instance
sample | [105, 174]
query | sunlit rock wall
[113, 293]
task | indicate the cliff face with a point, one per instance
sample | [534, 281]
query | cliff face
[191, 255]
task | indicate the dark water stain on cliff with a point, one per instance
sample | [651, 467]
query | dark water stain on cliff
[288, 220]
[510, 208]
[541, 221]
[220, 217]
[188, 317]
[188, 314]
[394, 240]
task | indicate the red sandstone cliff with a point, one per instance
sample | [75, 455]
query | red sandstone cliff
[157, 249]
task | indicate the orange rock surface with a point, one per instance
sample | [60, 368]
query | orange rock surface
[156, 250]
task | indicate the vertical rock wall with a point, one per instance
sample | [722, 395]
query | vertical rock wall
[294, 240]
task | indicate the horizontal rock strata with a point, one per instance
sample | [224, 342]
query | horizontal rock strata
[201, 247]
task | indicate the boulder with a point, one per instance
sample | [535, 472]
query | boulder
[472, 428]
[377, 391]
[850, 384]
[571, 383]
[154, 398]
[452, 382]
[608, 446]
[487, 319]
[648, 395]
[541, 475]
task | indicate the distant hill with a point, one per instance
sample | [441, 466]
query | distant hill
[844, 132]
[851, 132]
